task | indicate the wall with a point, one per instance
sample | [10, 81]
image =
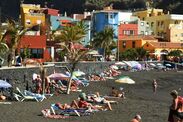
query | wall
[16, 74]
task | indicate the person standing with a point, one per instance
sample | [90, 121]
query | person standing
[174, 105]
[154, 85]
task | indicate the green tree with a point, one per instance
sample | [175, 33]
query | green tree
[68, 37]
[141, 53]
[3, 48]
[14, 33]
[175, 53]
[104, 39]
[129, 54]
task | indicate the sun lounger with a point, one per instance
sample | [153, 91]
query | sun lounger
[40, 97]
[25, 97]
[70, 111]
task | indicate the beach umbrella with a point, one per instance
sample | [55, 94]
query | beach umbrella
[78, 73]
[58, 76]
[4, 84]
[125, 79]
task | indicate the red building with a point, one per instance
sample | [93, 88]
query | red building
[36, 45]
[127, 30]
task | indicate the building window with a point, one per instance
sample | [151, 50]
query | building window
[146, 33]
[106, 16]
[142, 23]
[158, 23]
[124, 44]
[176, 22]
[181, 34]
[142, 32]
[131, 32]
[133, 44]
[111, 16]
[36, 53]
[152, 24]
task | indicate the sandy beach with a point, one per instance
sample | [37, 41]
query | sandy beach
[140, 99]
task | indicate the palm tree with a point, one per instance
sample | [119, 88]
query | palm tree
[3, 47]
[70, 36]
[14, 33]
[104, 39]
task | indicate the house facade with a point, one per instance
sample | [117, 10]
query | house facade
[108, 18]
[134, 42]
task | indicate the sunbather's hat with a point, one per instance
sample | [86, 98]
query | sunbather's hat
[174, 92]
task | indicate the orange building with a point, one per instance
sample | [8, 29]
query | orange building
[134, 42]
[161, 49]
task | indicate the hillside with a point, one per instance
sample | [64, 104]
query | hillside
[10, 8]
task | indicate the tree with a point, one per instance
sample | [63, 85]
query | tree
[3, 48]
[104, 39]
[141, 53]
[70, 36]
[129, 54]
[14, 33]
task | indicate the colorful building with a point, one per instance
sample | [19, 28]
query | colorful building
[161, 49]
[32, 15]
[143, 14]
[165, 26]
[127, 29]
[109, 18]
[36, 46]
[134, 42]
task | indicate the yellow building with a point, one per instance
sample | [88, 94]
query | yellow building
[134, 42]
[165, 26]
[160, 49]
[32, 15]
[143, 14]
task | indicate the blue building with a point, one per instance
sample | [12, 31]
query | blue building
[109, 18]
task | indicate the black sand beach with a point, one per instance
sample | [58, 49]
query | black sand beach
[140, 99]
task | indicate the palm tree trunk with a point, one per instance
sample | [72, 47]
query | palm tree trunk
[70, 79]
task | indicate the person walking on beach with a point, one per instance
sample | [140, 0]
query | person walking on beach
[154, 85]
[137, 118]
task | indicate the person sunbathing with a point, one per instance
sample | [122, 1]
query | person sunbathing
[96, 98]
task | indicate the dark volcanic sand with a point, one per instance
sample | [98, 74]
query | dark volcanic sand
[140, 99]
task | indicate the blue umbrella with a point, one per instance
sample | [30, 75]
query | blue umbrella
[4, 84]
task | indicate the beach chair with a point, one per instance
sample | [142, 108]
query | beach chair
[17, 97]
[40, 97]
[26, 97]
[66, 111]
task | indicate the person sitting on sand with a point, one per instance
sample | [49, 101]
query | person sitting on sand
[174, 105]
[117, 93]
[137, 118]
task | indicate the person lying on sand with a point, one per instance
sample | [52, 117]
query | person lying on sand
[96, 98]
